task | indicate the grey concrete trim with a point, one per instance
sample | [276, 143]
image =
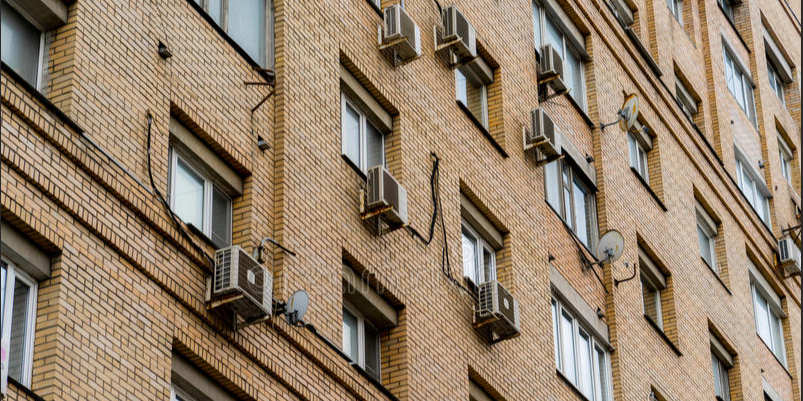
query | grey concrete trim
[478, 71]
[480, 223]
[720, 351]
[375, 308]
[763, 286]
[368, 105]
[44, 14]
[644, 138]
[757, 177]
[649, 269]
[582, 310]
[24, 253]
[624, 11]
[579, 160]
[475, 393]
[777, 57]
[769, 391]
[211, 165]
[702, 213]
[195, 382]
[574, 36]
[740, 64]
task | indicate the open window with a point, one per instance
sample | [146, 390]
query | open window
[202, 186]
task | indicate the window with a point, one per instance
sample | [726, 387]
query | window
[22, 45]
[785, 155]
[248, 22]
[198, 202]
[653, 286]
[684, 98]
[189, 383]
[178, 394]
[775, 81]
[572, 198]
[479, 258]
[727, 7]
[707, 237]
[361, 341]
[363, 144]
[753, 188]
[547, 31]
[721, 385]
[768, 316]
[579, 356]
[639, 148]
[17, 321]
[676, 7]
[472, 93]
[738, 81]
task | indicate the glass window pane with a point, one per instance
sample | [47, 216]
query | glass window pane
[582, 227]
[189, 195]
[762, 318]
[567, 343]
[568, 216]
[537, 25]
[473, 95]
[602, 375]
[552, 184]
[777, 337]
[555, 334]
[19, 328]
[374, 147]
[574, 77]
[247, 27]
[488, 264]
[221, 219]
[460, 83]
[20, 44]
[372, 360]
[350, 347]
[717, 381]
[214, 10]
[705, 245]
[554, 36]
[351, 135]
[631, 145]
[3, 292]
[470, 257]
[585, 370]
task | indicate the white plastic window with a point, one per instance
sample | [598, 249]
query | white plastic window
[362, 143]
[479, 258]
[17, 323]
[361, 341]
[721, 383]
[248, 22]
[769, 324]
[638, 157]
[572, 199]
[22, 45]
[473, 95]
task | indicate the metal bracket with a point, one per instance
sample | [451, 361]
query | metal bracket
[386, 48]
[617, 282]
[369, 214]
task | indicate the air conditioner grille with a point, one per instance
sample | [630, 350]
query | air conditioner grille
[223, 265]
[783, 249]
[391, 26]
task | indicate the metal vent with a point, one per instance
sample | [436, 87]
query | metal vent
[223, 270]
[783, 249]
[237, 273]
[391, 22]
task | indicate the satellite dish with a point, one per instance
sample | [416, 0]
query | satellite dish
[610, 246]
[628, 113]
[296, 307]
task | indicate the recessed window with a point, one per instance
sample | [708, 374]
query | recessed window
[199, 202]
[248, 22]
[753, 188]
[22, 45]
[363, 144]
[727, 7]
[785, 157]
[572, 198]
[189, 383]
[775, 82]
[653, 289]
[579, 356]
[638, 148]
[684, 98]
[707, 237]
[479, 258]
[472, 93]
[739, 84]
[18, 320]
[179, 394]
[721, 363]
[676, 7]
[547, 31]
[768, 314]
[361, 341]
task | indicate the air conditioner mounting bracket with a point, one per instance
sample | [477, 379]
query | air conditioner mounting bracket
[368, 214]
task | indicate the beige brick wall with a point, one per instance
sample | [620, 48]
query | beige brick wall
[127, 289]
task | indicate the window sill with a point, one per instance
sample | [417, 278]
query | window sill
[716, 275]
[482, 128]
[780, 362]
[649, 189]
[571, 385]
[256, 66]
[354, 167]
[663, 335]
[582, 112]
[730, 22]
[23, 389]
[197, 231]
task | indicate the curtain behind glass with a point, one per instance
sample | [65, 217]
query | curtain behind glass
[246, 25]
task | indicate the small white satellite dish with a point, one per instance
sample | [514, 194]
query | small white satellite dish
[610, 246]
[296, 307]
[628, 113]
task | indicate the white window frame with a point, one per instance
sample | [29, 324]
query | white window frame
[676, 8]
[361, 322]
[746, 103]
[759, 200]
[721, 379]
[209, 188]
[600, 385]
[776, 83]
[13, 273]
[479, 261]
[223, 23]
[176, 392]
[591, 196]
[483, 119]
[363, 120]
[659, 291]
[779, 349]
[567, 46]
[707, 225]
[40, 62]
[786, 158]
[639, 160]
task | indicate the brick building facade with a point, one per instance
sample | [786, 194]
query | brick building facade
[260, 118]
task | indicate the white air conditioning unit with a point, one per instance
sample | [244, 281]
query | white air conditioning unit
[383, 191]
[241, 284]
[789, 255]
[552, 68]
[497, 311]
[398, 25]
[455, 25]
[543, 134]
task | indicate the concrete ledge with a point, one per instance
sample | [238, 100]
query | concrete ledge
[46, 14]
[583, 311]
[23, 252]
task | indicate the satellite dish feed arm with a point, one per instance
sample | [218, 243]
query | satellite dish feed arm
[258, 251]
[620, 113]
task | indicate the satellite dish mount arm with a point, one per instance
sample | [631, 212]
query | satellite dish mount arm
[621, 115]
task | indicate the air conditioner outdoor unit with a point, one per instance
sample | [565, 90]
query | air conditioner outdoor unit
[240, 278]
[383, 191]
[398, 25]
[497, 311]
[543, 135]
[455, 25]
[552, 68]
[789, 255]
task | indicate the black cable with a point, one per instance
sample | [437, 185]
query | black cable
[163, 201]
[434, 178]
